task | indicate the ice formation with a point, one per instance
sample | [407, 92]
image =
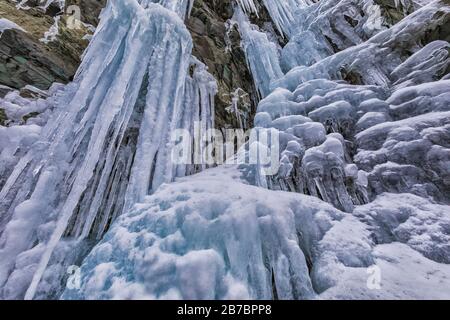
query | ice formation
[362, 110]
[341, 105]
[261, 53]
[53, 32]
[188, 241]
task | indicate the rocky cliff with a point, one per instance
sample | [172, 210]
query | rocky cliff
[26, 60]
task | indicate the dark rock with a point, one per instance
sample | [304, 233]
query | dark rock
[23, 60]
[4, 90]
[89, 9]
[3, 118]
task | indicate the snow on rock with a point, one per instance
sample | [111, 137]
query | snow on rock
[6, 24]
[26, 117]
[53, 32]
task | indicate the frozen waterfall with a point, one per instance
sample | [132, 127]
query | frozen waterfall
[362, 107]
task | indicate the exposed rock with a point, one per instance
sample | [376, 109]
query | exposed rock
[3, 117]
[25, 60]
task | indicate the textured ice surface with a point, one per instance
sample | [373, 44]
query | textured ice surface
[362, 105]
[188, 241]
[6, 24]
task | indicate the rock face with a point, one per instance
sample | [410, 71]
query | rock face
[26, 60]
[226, 61]
[89, 9]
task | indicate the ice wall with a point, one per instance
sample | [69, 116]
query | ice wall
[362, 109]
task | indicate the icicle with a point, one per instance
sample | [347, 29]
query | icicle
[248, 6]
[262, 55]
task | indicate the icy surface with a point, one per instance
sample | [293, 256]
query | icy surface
[188, 241]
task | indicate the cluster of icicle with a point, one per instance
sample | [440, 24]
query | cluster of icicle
[108, 142]
[328, 86]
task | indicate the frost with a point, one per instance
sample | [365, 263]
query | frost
[261, 53]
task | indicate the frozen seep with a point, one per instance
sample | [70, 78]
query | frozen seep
[6, 24]
[261, 53]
